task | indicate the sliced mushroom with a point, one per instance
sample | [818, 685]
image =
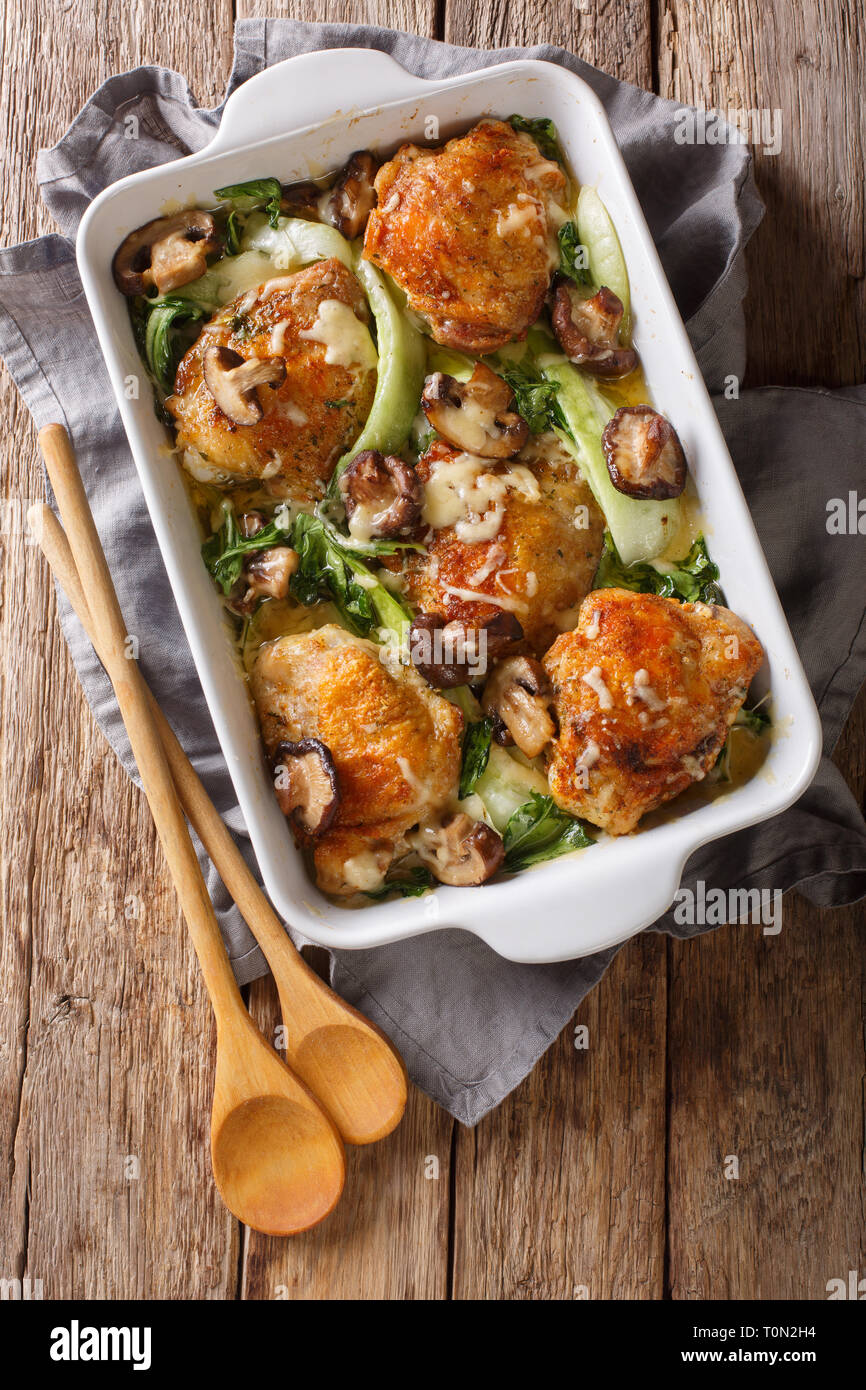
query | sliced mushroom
[477, 415]
[587, 328]
[382, 495]
[518, 696]
[166, 253]
[461, 851]
[267, 574]
[457, 653]
[353, 196]
[644, 455]
[301, 198]
[251, 523]
[305, 781]
[232, 381]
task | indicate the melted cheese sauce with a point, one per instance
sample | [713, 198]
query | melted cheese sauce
[595, 681]
[521, 218]
[464, 493]
[346, 340]
[364, 872]
[513, 605]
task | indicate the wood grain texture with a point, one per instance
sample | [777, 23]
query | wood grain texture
[106, 1047]
[412, 16]
[615, 36]
[766, 1065]
[807, 62]
[560, 1192]
[388, 1238]
[105, 1038]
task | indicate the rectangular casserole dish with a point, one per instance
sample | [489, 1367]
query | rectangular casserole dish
[283, 122]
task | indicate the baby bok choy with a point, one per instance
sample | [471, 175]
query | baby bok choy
[605, 261]
[400, 373]
[694, 579]
[640, 528]
[514, 795]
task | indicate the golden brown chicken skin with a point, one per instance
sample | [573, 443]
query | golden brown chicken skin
[313, 416]
[394, 742]
[538, 563]
[645, 690]
[469, 233]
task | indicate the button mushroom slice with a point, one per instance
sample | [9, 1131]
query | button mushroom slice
[518, 696]
[382, 495]
[165, 253]
[478, 415]
[353, 196]
[305, 782]
[461, 852]
[458, 653]
[644, 455]
[232, 381]
[587, 329]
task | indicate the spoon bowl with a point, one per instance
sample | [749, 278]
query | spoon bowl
[278, 1159]
[364, 1080]
[270, 1161]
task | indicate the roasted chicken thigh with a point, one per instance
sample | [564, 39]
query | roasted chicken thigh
[644, 692]
[395, 745]
[523, 537]
[312, 325]
[468, 231]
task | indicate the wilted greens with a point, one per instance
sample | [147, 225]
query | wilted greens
[157, 326]
[328, 570]
[412, 884]
[543, 132]
[535, 397]
[538, 831]
[693, 579]
[476, 754]
[255, 193]
[571, 251]
[224, 552]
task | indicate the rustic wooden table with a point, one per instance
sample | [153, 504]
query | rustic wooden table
[603, 1175]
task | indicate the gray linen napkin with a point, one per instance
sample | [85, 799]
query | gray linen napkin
[470, 1025]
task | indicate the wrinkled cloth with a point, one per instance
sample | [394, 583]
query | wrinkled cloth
[469, 1024]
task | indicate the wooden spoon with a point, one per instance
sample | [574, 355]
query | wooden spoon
[278, 1160]
[348, 1064]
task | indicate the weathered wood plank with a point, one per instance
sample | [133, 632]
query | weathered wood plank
[412, 16]
[766, 1066]
[615, 37]
[560, 1191]
[388, 1238]
[765, 1045]
[806, 62]
[105, 1037]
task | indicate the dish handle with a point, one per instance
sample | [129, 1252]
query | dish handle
[309, 89]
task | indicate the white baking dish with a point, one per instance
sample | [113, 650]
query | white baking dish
[284, 122]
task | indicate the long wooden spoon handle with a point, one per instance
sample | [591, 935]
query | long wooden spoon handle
[203, 815]
[110, 635]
